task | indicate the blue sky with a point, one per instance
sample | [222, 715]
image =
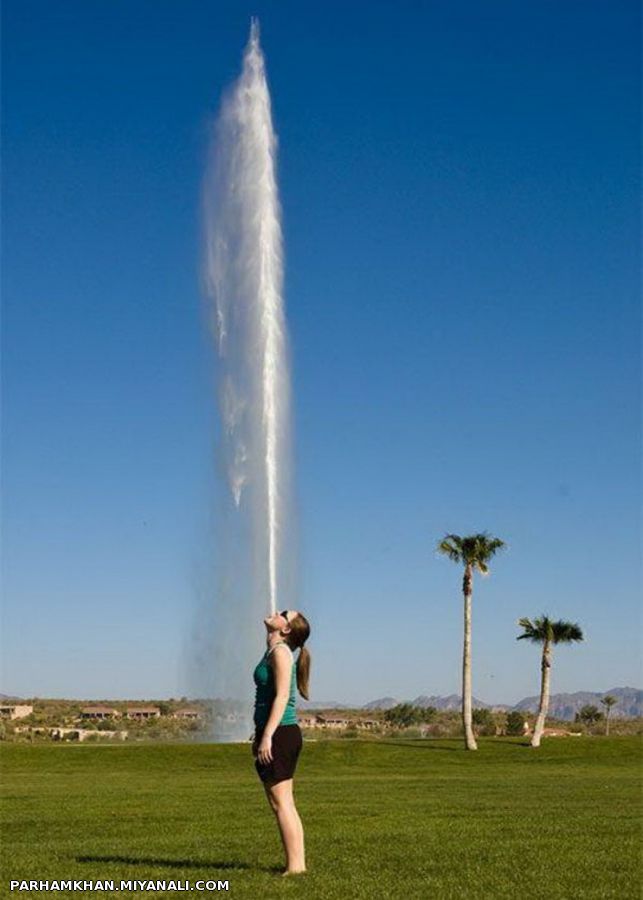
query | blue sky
[460, 192]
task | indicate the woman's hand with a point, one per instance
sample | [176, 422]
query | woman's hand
[264, 750]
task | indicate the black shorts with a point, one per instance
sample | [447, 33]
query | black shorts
[286, 747]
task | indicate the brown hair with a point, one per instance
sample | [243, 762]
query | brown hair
[297, 637]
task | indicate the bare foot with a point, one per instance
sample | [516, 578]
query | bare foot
[293, 872]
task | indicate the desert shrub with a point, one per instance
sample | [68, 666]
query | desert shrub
[483, 722]
[589, 715]
[515, 722]
[445, 728]
[405, 714]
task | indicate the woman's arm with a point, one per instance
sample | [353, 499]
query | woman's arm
[282, 664]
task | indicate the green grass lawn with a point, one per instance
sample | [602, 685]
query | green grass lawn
[389, 818]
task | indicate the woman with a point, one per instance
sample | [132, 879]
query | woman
[277, 741]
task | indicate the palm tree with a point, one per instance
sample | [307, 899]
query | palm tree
[608, 702]
[588, 714]
[474, 552]
[546, 632]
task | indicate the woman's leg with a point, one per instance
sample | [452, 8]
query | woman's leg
[282, 803]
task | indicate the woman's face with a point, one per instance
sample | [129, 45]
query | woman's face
[279, 621]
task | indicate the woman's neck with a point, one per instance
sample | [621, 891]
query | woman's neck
[275, 637]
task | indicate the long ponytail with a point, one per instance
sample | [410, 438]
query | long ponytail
[297, 637]
[303, 672]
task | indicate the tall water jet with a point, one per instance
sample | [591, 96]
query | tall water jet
[244, 281]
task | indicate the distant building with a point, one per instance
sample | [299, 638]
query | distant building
[336, 722]
[188, 712]
[142, 712]
[307, 721]
[99, 712]
[15, 710]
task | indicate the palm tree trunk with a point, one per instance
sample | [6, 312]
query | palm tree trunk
[607, 722]
[467, 589]
[545, 671]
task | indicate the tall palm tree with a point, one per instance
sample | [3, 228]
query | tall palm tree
[473, 552]
[546, 632]
[608, 702]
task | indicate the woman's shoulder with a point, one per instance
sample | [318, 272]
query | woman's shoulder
[281, 647]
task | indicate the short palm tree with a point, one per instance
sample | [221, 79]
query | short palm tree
[546, 632]
[473, 552]
[608, 702]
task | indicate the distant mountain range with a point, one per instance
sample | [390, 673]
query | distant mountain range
[561, 706]
[565, 706]
[450, 702]
[383, 703]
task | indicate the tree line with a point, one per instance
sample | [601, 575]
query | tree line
[404, 715]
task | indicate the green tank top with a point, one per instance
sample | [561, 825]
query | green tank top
[264, 679]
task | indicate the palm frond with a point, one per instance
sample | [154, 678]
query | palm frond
[530, 632]
[566, 632]
[545, 629]
[451, 546]
[488, 546]
[483, 547]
